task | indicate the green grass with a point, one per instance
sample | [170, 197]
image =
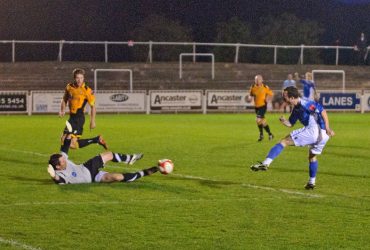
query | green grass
[211, 201]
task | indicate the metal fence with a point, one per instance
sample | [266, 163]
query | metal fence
[151, 46]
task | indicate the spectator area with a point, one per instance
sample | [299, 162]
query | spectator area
[54, 75]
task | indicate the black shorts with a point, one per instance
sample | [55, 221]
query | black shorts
[77, 122]
[261, 111]
[93, 165]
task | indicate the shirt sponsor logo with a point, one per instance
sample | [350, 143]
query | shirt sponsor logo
[119, 97]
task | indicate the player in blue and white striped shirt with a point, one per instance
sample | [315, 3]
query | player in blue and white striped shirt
[315, 133]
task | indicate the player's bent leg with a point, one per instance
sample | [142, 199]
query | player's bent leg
[102, 142]
[74, 143]
[259, 122]
[130, 177]
[125, 158]
[267, 129]
[106, 156]
[318, 147]
[287, 141]
[111, 177]
[118, 157]
[313, 166]
[62, 137]
[273, 153]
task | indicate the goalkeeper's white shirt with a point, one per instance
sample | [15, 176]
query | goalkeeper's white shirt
[74, 174]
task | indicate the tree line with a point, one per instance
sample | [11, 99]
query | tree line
[285, 29]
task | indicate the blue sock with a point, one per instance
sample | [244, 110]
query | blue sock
[275, 151]
[313, 168]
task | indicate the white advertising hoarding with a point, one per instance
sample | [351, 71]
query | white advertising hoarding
[120, 101]
[46, 102]
[226, 99]
[113, 101]
[176, 99]
[366, 102]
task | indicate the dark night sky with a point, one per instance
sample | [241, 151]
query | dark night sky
[113, 20]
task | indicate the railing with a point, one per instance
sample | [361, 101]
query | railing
[150, 44]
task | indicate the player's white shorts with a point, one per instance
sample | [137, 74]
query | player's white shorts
[99, 176]
[311, 136]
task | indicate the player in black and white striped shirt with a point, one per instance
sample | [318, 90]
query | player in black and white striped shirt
[64, 171]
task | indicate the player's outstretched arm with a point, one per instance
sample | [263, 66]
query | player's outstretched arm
[66, 144]
[285, 122]
[57, 179]
[92, 117]
[329, 131]
[62, 108]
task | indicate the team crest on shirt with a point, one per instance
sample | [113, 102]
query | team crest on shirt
[74, 174]
[312, 107]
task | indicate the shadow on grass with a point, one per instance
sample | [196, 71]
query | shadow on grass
[351, 155]
[209, 183]
[20, 160]
[28, 179]
[146, 185]
[124, 186]
[349, 147]
[243, 145]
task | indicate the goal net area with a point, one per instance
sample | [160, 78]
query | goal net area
[329, 79]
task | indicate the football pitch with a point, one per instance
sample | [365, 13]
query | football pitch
[211, 201]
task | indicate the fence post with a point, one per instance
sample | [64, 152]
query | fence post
[194, 51]
[180, 66]
[275, 54]
[106, 51]
[60, 56]
[13, 51]
[150, 52]
[302, 46]
[236, 60]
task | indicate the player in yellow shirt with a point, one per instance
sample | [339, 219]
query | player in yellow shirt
[261, 94]
[77, 94]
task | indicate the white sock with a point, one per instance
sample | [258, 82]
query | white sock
[267, 161]
[312, 180]
[128, 158]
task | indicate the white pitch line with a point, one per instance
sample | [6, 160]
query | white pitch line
[17, 244]
[287, 191]
[65, 203]
[24, 152]
[254, 186]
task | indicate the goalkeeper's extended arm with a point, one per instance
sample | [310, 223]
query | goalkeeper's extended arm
[66, 144]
